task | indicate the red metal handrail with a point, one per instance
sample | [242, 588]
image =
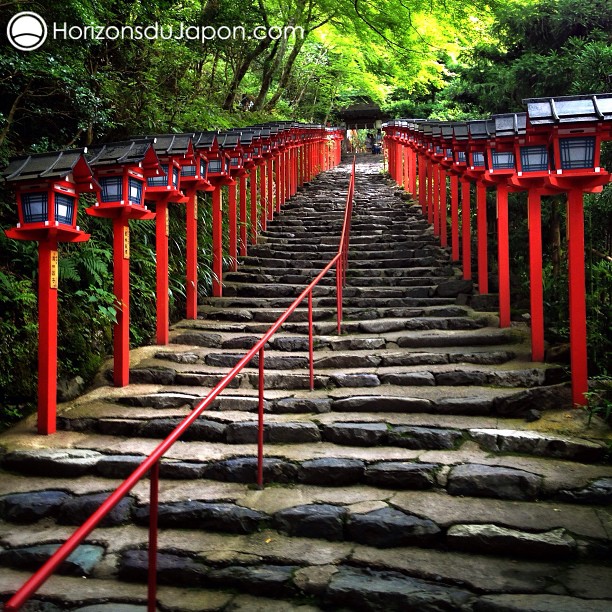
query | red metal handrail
[151, 463]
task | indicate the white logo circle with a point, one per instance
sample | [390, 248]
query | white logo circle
[26, 31]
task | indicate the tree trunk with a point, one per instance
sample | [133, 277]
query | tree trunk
[230, 98]
[284, 80]
[270, 68]
[11, 116]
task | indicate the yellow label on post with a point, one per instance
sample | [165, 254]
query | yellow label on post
[126, 242]
[195, 209]
[54, 276]
[167, 222]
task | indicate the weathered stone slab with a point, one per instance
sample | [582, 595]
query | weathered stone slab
[539, 398]
[401, 475]
[493, 539]
[32, 506]
[198, 338]
[409, 359]
[323, 521]
[244, 469]
[388, 527]
[597, 492]
[152, 376]
[355, 380]
[298, 405]
[452, 288]
[271, 580]
[159, 400]
[193, 514]
[373, 591]
[56, 463]
[429, 438]
[78, 509]
[356, 434]
[380, 403]
[406, 379]
[188, 358]
[274, 433]
[331, 471]
[80, 562]
[174, 570]
[535, 443]
[492, 481]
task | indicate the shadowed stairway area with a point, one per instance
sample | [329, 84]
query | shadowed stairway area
[434, 467]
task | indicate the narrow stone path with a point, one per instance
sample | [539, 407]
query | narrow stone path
[434, 467]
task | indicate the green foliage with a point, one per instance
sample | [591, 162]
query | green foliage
[599, 399]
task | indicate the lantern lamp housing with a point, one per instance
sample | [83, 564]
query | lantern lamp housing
[47, 187]
[575, 126]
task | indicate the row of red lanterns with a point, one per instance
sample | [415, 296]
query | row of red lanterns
[552, 148]
[165, 169]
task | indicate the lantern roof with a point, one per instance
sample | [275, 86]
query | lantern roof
[510, 124]
[229, 140]
[480, 129]
[173, 144]
[206, 140]
[132, 152]
[447, 130]
[246, 137]
[569, 109]
[49, 166]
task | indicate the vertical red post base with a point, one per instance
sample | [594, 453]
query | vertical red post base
[253, 207]
[243, 215]
[47, 336]
[161, 250]
[192, 255]
[503, 255]
[217, 232]
[536, 294]
[233, 228]
[121, 288]
[454, 181]
[483, 264]
[466, 229]
[577, 296]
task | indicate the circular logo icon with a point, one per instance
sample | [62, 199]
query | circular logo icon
[26, 31]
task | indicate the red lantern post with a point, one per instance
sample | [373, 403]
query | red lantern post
[121, 170]
[193, 179]
[47, 188]
[575, 126]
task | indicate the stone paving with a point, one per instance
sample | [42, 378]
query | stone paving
[434, 467]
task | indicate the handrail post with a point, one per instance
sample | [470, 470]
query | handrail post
[339, 277]
[260, 413]
[310, 341]
[153, 516]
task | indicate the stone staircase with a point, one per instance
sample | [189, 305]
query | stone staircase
[433, 467]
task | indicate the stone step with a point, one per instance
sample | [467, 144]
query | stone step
[468, 472]
[331, 574]
[343, 429]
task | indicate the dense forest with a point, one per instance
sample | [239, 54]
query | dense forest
[441, 59]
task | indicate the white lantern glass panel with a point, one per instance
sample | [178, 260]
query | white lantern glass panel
[534, 159]
[577, 152]
[35, 207]
[64, 208]
[111, 188]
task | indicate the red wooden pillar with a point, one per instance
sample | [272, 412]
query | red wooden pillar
[233, 229]
[429, 200]
[454, 184]
[270, 203]
[406, 153]
[217, 232]
[481, 218]
[280, 170]
[435, 199]
[253, 217]
[535, 275]
[399, 172]
[162, 229]
[263, 215]
[192, 254]
[503, 255]
[47, 335]
[422, 181]
[121, 289]
[577, 296]
[243, 214]
[413, 172]
[443, 228]
[466, 229]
